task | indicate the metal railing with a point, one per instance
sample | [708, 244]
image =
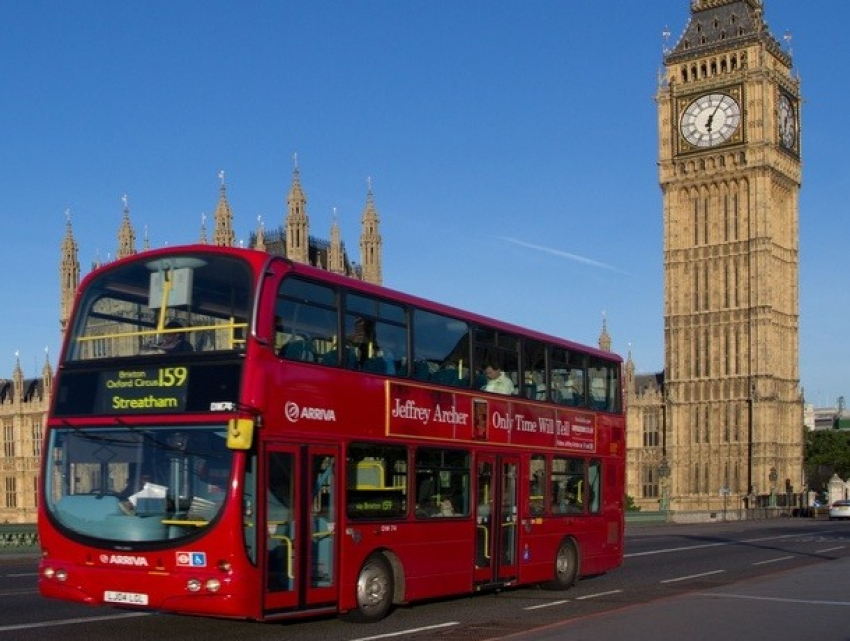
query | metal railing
[18, 537]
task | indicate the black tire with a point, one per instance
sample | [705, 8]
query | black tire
[375, 587]
[566, 567]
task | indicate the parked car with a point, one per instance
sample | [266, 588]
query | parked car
[839, 510]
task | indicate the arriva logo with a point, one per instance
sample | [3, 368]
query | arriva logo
[295, 412]
[124, 559]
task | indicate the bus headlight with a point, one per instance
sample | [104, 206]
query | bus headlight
[193, 585]
[213, 585]
[51, 573]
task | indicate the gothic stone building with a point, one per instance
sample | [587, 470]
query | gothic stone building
[24, 402]
[723, 421]
[23, 406]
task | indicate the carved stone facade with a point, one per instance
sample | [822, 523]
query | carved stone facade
[724, 420]
[23, 407]
[24, 402]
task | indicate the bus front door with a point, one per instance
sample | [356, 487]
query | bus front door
[496, 542]
[300, 537]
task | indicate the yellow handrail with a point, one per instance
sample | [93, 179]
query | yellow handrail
[163, 308]
[184, 523]
[486, 540]
[154, 332]
[288, 542]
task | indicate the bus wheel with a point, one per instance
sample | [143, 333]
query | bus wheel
[374, 590]
[566, 567]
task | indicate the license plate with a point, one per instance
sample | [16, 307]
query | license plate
[129, 598]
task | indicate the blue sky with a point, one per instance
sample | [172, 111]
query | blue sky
[512, 149]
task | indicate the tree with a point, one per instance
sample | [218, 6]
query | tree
[826, 452]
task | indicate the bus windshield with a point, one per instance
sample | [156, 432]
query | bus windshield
[140, 484]
[170, 304]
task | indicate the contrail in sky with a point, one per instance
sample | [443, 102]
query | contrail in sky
[562, 254]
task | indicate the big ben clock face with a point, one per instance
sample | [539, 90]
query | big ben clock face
[710, 120]
[787, 123]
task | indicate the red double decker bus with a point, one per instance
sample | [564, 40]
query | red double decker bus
[233, 434]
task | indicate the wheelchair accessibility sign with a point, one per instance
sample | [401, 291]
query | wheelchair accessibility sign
[192, 559]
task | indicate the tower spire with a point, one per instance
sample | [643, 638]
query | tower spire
[297, 223]
[260, 245]
[336, 259]
[223, 234]
[370, 240]
[604, 337]
[69, 272]
[126, 235]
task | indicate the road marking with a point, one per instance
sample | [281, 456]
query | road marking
[692, 576]
[546, 605]
[390, 635]
[18, 576]
[681, 549]
[686, 548]
[839, 547]
[597, 595]
[781, 558]
[775, 599]
[52, 624]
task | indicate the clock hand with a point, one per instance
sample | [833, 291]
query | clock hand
[711, 119]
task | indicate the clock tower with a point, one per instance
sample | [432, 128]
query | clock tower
[729, 170]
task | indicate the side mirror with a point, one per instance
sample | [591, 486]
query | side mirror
[240, 433]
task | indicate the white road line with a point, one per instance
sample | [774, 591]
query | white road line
[839, 547]
[712, 545]
[546, 605]
[778, 600]
[53, 624]
[781, 558]
[681, 549]
[692, 576]
[390, 635]
[597, 595]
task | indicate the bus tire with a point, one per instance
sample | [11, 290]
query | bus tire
[375, 587]
[566, 567]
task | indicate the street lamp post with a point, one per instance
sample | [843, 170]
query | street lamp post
[664, 476]
[773, 476]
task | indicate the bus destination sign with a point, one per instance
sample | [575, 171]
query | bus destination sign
[142, 391]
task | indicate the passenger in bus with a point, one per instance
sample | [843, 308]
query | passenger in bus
[429, 502]
[298, 348]
[497, 381]
[448, 373]
[559, 498]
[363, 339]
[174, 342]
[381, 362]
[569, 497]
[557, 386]
[535, 386]
[446, 508]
